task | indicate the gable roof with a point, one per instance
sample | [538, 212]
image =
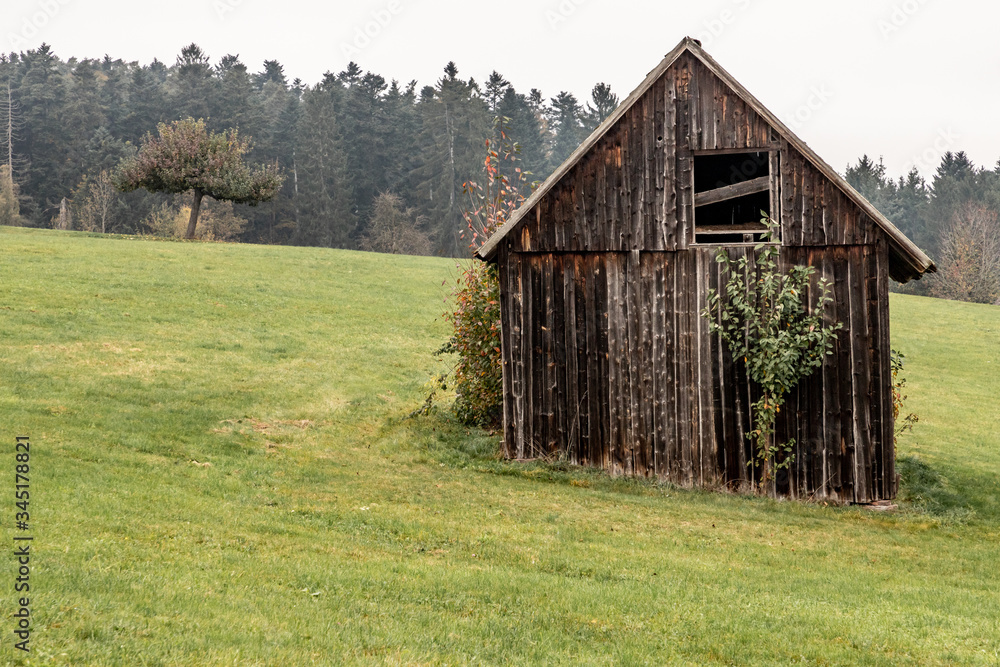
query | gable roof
[906, 259]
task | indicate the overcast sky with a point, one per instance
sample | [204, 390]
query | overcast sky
[903, 79]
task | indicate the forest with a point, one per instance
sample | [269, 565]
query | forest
[371, 163]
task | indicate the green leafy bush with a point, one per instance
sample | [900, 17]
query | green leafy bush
[475, 320]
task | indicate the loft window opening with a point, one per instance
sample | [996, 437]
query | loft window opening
[730, 192]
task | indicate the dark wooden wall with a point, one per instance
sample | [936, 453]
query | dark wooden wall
[606, 356]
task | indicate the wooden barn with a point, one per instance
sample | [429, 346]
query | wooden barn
[604, 271]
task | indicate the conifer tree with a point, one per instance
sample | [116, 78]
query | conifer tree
[602, 104]
[455, 123]
[324, 196]
[566, 118]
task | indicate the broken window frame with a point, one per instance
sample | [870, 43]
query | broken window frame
[752, 231]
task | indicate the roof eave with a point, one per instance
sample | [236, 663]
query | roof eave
[915, 260]
[489, 249]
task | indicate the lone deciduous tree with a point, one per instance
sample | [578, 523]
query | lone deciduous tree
[9, 211]
[187, 156]
[395, 229]
[970, 256]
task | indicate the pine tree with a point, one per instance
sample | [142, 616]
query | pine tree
[455, 125]
[324, 197]
[603, 103]
[50, 175]
[367, 141]
[147, 103]
[496, 89]
[523, 129]
[956, 183]
[870, 180]
[192, 84]
[566, 118]
[238, 104]
[912, 197]
[403, 122]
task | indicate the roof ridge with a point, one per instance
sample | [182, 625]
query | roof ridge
[920, 262]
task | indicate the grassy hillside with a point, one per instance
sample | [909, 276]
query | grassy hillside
[223, 473]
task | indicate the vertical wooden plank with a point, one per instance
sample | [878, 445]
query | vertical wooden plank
[817, 412]
[527, 356]
[705, 368]
[786, 166]
[861, 368]
[594, 378]
[808, 204]
[531, 367]
[657, 267]
[657, 171]
[875, 396]
[570, 374]
[774, 173]
[637, 327]
[650, 176]
[621, 363]
[696, 110]
[649, 329]
[560, 428]
[603, 368]
[839, 486]
[623, 172]
[618, 229]
[674, 451]
[688, 407]
[885, 385]
[600, 234]
[510, 311]
[613, 365]
[579, 288]
[669, 157]
[848, 460]
[543, 350]
[685, 201]
[720, 409]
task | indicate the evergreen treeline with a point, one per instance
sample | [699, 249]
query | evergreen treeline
[954, 219]
[370, 163]
[341, 143]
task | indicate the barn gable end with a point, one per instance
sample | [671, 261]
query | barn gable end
[605, 269]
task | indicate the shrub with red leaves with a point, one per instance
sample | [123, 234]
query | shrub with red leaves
[475, 312]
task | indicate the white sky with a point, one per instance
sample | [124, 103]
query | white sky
[904, 79]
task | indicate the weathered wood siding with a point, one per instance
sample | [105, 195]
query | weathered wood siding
[610, 363]
[814, 211]
[607, 359]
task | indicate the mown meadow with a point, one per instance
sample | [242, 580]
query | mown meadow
[224, 471]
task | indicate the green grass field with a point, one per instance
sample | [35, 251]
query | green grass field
[223, 473]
